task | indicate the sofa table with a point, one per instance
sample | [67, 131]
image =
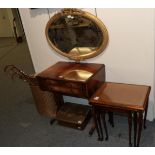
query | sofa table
[127, 98]
[72, 79]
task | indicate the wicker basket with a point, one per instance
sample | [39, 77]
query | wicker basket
[44, 101]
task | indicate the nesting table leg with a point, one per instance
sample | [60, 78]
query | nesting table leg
[145, 115]
[96, 122]
[91, 131]
[140, 123]
[130, 126]
[135, 128]
[52, 121]
[111, 118]
[105, 126]
[100, 126]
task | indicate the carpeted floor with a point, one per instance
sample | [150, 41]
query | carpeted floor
[7, 41]
[6, 46]
[21, 125]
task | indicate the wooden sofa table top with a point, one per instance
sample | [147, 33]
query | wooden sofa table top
[119, 95]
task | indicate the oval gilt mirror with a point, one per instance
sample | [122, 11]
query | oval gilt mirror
[76, 34]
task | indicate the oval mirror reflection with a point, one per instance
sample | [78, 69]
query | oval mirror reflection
[76, 34]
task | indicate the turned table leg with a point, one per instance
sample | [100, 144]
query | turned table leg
[140, 123]
[96, 122]
[52, 121]
[135, 128]
[111, 121]
[104, 125]
[91, 131]
[100, 126]
[130, 126]
[111, 118]
[145, 115]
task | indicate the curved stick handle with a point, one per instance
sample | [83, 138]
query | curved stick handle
[14, 71]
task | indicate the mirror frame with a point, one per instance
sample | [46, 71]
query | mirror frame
[89, 16]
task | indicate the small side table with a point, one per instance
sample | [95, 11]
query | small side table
[127, 98]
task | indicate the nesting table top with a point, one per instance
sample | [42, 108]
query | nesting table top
[126, 96]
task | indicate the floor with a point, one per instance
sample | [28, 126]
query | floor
[21, 125]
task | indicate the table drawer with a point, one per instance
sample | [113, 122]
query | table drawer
[67, 87]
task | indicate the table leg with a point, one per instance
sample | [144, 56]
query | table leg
[135, 128]
[93, 127]
[96, 122]
[145, 115]
[52, 121]
[105, 126]
[58, 100]
[140, 123]
[100, 126]
[111, 118]
[91, 131]
[130, 126]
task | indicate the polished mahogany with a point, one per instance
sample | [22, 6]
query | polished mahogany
[82, 81]
[127, 98]
[72, 79]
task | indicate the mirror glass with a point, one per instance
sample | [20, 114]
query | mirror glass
[76, 34]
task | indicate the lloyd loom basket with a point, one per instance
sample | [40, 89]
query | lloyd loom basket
[44, 102]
